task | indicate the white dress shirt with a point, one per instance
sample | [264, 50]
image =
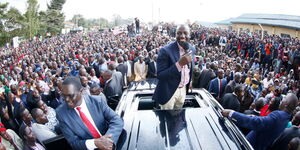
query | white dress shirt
[90, 142]
[129, 69]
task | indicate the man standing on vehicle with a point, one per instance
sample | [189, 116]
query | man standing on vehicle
[174, 70]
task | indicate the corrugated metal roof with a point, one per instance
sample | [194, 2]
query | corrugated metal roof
[286, 21]
[226, 21]
[207, 24]
[280, 23]
[271, 17]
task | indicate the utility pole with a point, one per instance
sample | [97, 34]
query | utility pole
[262, 31]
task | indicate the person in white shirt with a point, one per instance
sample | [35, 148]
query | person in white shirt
[268, 81]
[30, 142]
[42, 131]
[140, 69]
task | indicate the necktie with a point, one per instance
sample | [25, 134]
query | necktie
[88, 123]
[155, 68]
[220, 88]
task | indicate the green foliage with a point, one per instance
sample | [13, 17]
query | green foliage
[53, 18]
[56, 4]
[53, 21]
[32, 22]
[11, 23]
[117, 20]
[79, 20]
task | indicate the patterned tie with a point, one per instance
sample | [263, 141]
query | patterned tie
[88, 124]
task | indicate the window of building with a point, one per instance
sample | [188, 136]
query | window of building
[283, 35]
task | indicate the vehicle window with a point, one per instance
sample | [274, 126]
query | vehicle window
[191, 101]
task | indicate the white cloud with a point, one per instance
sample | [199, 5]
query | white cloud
[178, 10]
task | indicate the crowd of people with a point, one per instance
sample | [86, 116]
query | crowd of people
[244, 72]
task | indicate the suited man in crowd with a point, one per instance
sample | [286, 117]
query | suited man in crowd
[206, 76]
[217, 85]
[281, 143]
[113, 87]
[264, 130]
[87, 123]
[231, 85]
[233, 100]
[113, 83]
[174, 70]
[123, 69]
[129, 65]
[152, 68]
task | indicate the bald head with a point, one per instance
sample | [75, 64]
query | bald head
[289, 103]
[237, 77]
[183, 27]
[82, 72]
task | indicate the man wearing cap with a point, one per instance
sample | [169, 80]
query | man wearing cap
[10, 139]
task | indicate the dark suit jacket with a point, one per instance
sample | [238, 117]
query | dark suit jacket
[206, 76]
[167, 73]
[214, 87]
[264, 130]
[75, 131]
[114, 86]
[151, 70]
[230, 101]
[123, 69]
[281, 143]
[229, 88]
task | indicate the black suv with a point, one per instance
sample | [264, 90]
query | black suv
[199, 125]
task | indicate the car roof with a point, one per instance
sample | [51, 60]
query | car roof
[188, 128]
[191, 128]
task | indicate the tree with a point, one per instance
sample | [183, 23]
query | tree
[31, 19]
[54, 21]
[57, 4]
[117, 20]
[11, 23]
[3, 9]
[14, 19]
[79, 20]
[103, 23]
[53, 18]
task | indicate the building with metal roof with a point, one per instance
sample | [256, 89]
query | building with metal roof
[283, 25]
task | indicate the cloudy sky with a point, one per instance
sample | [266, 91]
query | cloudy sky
[170, 10]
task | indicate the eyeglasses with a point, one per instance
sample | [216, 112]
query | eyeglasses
[71, 96]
